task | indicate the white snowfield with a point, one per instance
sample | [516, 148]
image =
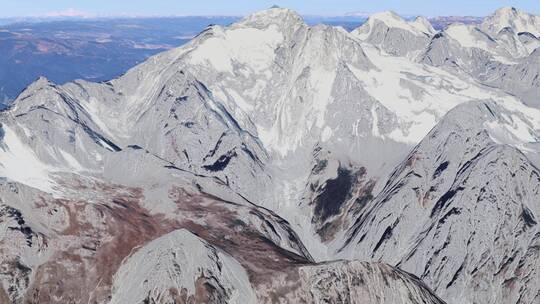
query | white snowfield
[20, 163]
[274, 162]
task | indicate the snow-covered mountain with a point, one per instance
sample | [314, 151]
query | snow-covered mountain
[274, 162]
[501, 52]
[510, 17]
[461, 210]
[395, 35]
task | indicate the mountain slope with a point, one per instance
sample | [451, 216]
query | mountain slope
[106, 238]
[501, 53]
[510, 17]
[395, 35]
[197, 271]
[461, 211]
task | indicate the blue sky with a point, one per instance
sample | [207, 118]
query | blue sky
[241, 7]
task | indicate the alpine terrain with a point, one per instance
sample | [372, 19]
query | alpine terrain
[274, 162]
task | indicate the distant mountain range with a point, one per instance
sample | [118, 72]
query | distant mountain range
[95, 50]
[68, 48]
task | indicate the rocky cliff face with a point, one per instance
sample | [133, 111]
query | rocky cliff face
[240, 167]
[182, 268]
[501, 52]
[460, 211]
[395, 35]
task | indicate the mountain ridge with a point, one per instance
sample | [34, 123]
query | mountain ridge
[275, 157]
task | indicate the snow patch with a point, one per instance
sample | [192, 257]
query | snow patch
[295, 120]
[71, 161]
[250, 46]
[430, 94]
[517, 128]
[96, 110]
[464, 35]
[20, 164]
[326, 134]
[375, 122]
[240, 101]
[469, 36]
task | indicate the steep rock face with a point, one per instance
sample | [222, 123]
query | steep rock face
[530, 41]
[45, 240]
[180, 267]
[500, 53]
[349, 282]
[181, 123]
[285, 92]
[49, 132]
[333, 190]
[510, 17]
[466, 48]
[461, 211]
[521, 79]
[394, 35]
[515, 45]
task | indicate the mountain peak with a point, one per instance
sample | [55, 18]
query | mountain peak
[274, 15]
[506, 10]
[419, 27]
[40, 83]
[387, 16]
[423, 24]
[513, 18]
[393, 20]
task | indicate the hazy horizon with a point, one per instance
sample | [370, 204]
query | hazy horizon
[146, 8]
